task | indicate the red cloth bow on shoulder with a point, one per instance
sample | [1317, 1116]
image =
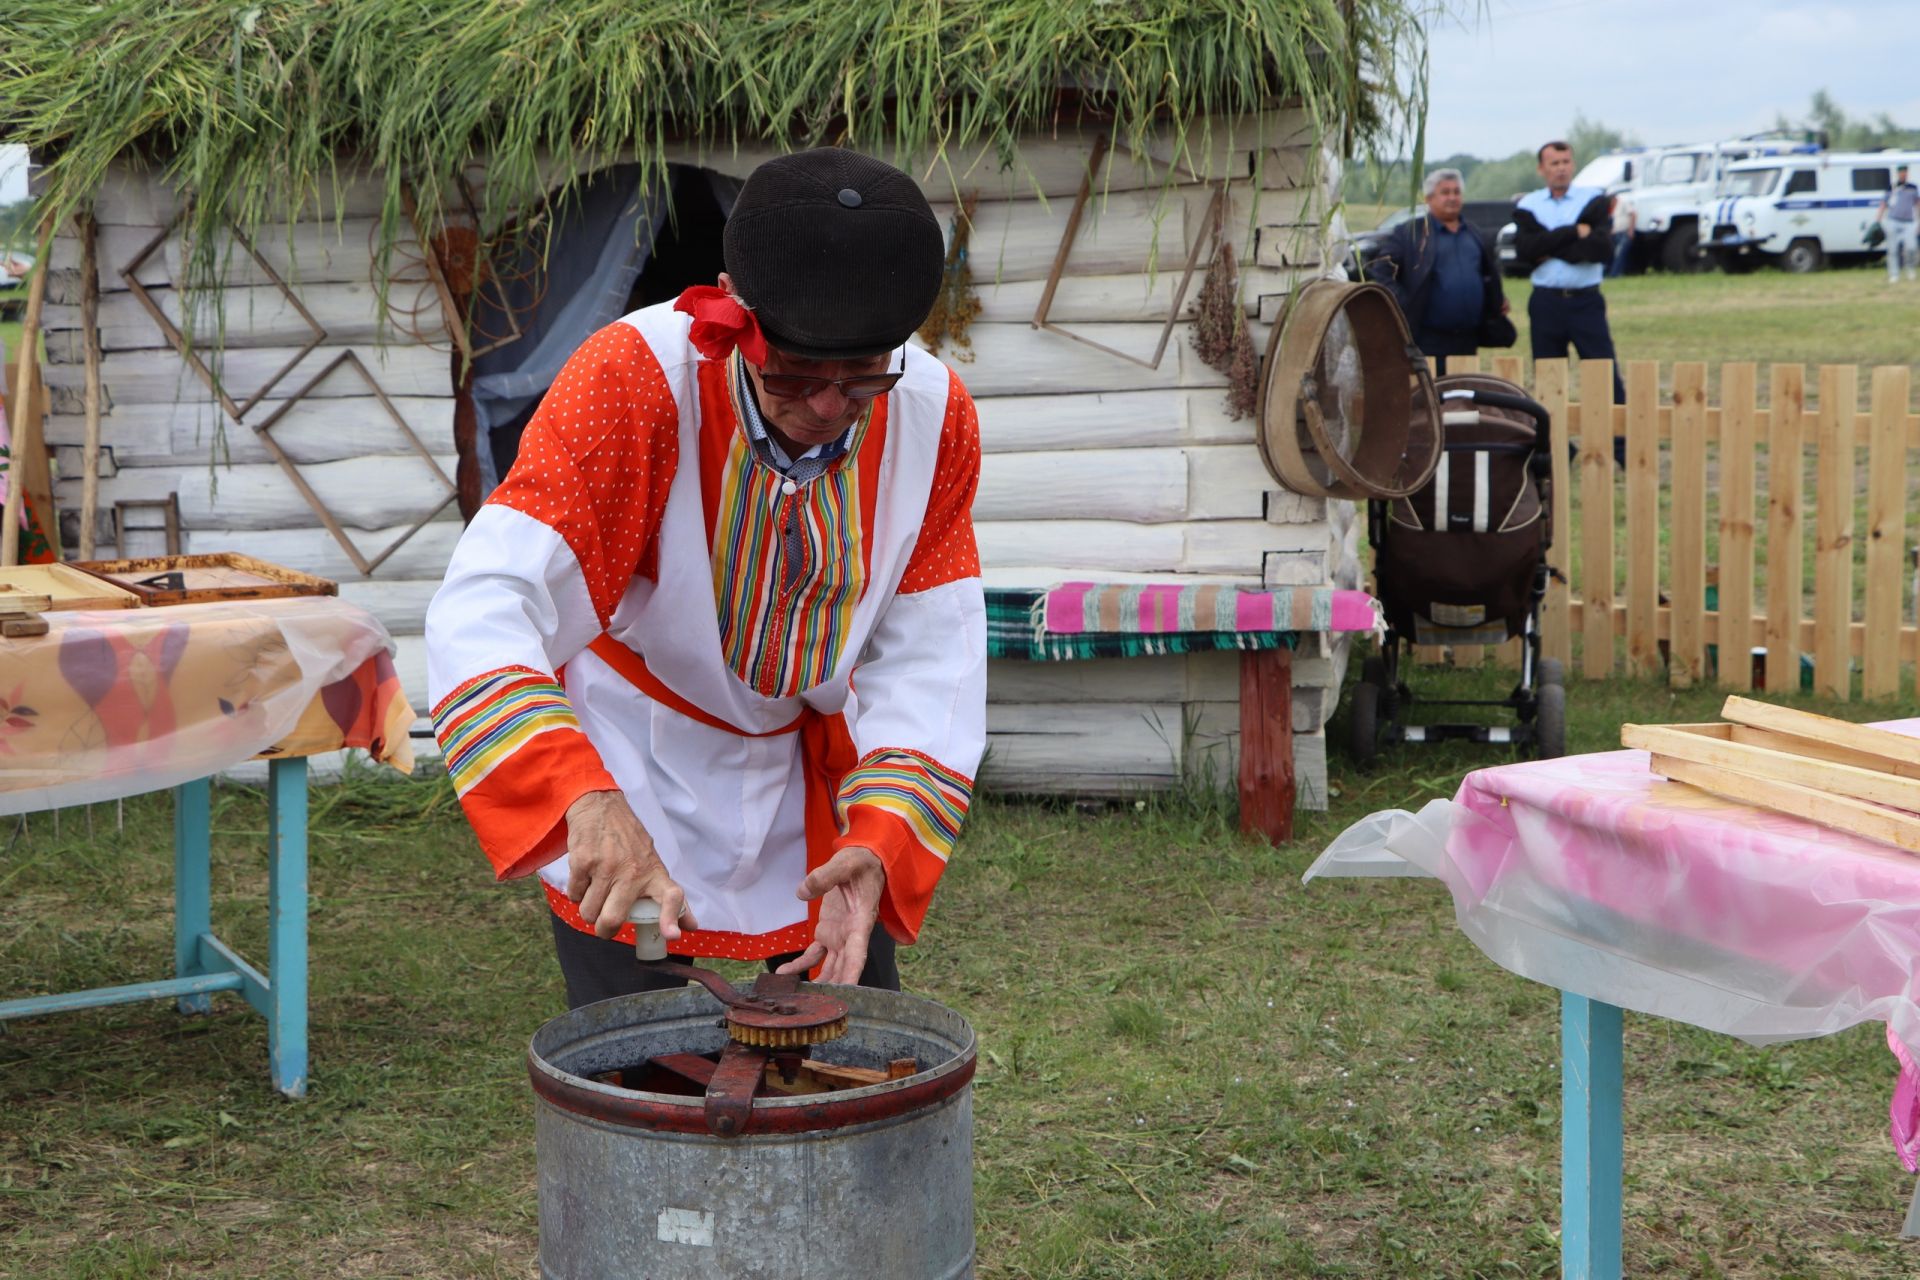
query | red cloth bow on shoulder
[720, 324]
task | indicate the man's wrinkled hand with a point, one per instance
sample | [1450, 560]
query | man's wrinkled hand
[849, 888]
[613, 865]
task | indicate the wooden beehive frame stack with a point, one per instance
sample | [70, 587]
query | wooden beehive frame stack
[1850, 777]
[20, 612]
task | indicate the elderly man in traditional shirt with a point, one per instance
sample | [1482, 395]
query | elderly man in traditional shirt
[1445, 277]
[1564, 231]
[728, 512]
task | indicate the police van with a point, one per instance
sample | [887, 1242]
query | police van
[1665, 186]
[1667, 229]
[1800, 212]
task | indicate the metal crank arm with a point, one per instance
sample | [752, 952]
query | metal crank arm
[762, 998]
[721, 989]
[730, 1092]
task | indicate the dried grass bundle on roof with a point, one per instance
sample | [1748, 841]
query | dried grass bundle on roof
[245, 105]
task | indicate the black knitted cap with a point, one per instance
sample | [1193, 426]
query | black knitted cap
[837, 253]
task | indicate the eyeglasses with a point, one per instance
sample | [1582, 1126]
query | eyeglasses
[798, 386]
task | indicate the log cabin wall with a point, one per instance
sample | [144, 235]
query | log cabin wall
[1093, 467]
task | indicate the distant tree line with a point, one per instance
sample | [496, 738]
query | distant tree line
[1851, 133]
[1393, 182]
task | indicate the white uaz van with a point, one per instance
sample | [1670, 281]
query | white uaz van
[1799, 212]
[1666, 185]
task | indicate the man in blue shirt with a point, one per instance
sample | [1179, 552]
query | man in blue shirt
[1445, 278]
[1896, 214]
[1564, 231]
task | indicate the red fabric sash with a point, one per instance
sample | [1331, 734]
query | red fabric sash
[634, 668]
[827, 755]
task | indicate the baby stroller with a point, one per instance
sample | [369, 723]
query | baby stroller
[1463, 562]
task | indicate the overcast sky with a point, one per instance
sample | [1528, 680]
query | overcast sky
[1513, 76]
[13, 173]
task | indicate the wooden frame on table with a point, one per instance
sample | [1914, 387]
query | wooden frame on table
[1853, 778]
[66, 587]
[145, 578]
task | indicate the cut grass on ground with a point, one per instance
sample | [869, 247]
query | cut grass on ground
[1191, 1065]
[1844, 316]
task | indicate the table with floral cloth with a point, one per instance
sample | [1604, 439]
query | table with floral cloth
[1624, 890]
[113, 703]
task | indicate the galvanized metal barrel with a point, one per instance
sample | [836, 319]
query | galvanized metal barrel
[875, 1181]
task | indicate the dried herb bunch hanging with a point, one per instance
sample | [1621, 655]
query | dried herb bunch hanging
[1220, 334]
[957, 304]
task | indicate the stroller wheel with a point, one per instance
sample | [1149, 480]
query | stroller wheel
[1363, 724]
[1387, 703]
[1550, 722]
[1550, 671]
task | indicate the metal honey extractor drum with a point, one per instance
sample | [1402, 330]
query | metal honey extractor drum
[872, 1181]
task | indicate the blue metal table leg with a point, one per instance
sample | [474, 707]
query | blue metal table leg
[287, 925]
[1590, 1139]
[192, 884]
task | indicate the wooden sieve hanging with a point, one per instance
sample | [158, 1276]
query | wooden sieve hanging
[1347, 408]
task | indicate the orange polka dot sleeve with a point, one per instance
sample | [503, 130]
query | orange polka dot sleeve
[598, 458]
[946, 551]
[593, 471]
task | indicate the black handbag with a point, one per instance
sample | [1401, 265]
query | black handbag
[1497, 331]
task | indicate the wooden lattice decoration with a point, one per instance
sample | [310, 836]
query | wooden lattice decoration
[1209, 231]
[178, 341]
[264, 430]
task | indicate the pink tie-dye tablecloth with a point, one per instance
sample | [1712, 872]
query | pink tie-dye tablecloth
[1152, 608]
[1592, 875]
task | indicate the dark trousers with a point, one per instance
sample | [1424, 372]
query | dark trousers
[1577, 316]
[1558, 317]
[598, 968]
[1441, 343]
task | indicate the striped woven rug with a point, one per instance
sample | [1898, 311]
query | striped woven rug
[1090, 620]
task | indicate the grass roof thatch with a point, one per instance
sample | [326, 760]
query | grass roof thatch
[247, 102]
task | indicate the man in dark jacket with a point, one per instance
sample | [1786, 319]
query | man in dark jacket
[1445, 277]
[1564, 231]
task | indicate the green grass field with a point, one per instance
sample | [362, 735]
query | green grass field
[1848, 315]
[1192, 1065]
[1843, 316]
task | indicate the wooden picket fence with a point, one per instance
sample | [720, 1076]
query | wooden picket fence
[1627, 599]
